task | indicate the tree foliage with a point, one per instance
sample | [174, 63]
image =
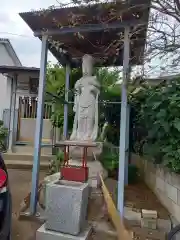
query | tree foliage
[55, 86]
[163, 44]
[110, 92]
[3, 137]
[157, 123]
[109, 105]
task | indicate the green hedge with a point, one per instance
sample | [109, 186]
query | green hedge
[157, 123]
[110, 161]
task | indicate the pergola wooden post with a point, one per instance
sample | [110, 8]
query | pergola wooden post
[123, 163]
[39, 126]
[65, 127]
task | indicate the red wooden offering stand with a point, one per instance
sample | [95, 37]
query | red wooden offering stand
[71, 172]
[74, 173]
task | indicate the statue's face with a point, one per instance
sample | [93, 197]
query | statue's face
[87, 65]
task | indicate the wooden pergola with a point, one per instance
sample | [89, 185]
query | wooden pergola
[114, 34]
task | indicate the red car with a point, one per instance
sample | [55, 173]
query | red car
[5, 203]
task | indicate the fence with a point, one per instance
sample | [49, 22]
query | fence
[28, 108]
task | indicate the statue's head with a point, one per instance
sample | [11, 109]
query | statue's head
[87, 65]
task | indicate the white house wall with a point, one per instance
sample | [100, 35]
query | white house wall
[5, 94]
[5, 82]
[5, 58]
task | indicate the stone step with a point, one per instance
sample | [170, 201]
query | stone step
[17, 164]
[25, 157]
[30, 149]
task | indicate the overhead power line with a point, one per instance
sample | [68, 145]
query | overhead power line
[19, 35]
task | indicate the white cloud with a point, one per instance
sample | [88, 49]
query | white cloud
[27, 47]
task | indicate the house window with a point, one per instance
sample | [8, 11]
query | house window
[33, 85]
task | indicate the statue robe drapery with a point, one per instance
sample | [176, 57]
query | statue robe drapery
[86, 109]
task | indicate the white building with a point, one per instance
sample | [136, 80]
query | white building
[18, 96]
[8, 57]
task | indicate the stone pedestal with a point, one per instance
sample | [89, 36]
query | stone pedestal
[66, 206]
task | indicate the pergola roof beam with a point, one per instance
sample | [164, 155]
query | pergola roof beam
[100, 33]
[89, 28]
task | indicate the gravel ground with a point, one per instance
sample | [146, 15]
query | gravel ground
[20, 184]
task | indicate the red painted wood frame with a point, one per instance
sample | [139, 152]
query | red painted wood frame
[75, 173]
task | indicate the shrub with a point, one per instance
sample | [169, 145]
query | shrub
[158, 115]
[56, 162]
[3, 136]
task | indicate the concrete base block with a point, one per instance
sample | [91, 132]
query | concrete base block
[133, 217]
[66, 206]
[149, 223]
[149, 214]
[43, 234]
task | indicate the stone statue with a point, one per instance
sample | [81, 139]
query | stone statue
[85, 126]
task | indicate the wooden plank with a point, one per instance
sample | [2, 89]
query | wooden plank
[76, 143]
[122, 232]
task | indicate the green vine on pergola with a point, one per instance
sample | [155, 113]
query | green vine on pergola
[113, 14]
[162, 37]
